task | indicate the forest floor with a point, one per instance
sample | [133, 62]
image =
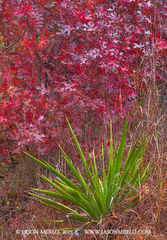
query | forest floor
[22, 217]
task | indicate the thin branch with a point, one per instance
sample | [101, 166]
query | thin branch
[12, 44]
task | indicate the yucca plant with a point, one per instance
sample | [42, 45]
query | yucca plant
[94, 197]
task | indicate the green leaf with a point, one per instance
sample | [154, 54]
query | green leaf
[80, 152]
[121, 148]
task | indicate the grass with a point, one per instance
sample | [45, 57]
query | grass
[150, 212]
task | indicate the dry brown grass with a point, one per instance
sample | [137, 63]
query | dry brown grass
[20, 212]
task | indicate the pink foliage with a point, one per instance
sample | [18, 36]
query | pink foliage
[72, 58]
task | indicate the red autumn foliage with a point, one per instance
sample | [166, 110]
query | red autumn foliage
[73, 58]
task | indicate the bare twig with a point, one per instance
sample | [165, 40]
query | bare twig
[12, 44]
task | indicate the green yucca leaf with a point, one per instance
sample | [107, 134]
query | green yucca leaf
[75, 172]
[129, 166]
[52, 170]
[110, 164]
[80, 202]
[114, 164]
[121, 148]
[59, 207]
[91, 164]
[146, 173]
[51, 206]
[79, 150]
[57, 204]
[80, 153]
[105, 184]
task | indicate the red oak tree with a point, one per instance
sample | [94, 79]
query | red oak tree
[81, 59]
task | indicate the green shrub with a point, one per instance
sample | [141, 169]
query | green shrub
[96, 197]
